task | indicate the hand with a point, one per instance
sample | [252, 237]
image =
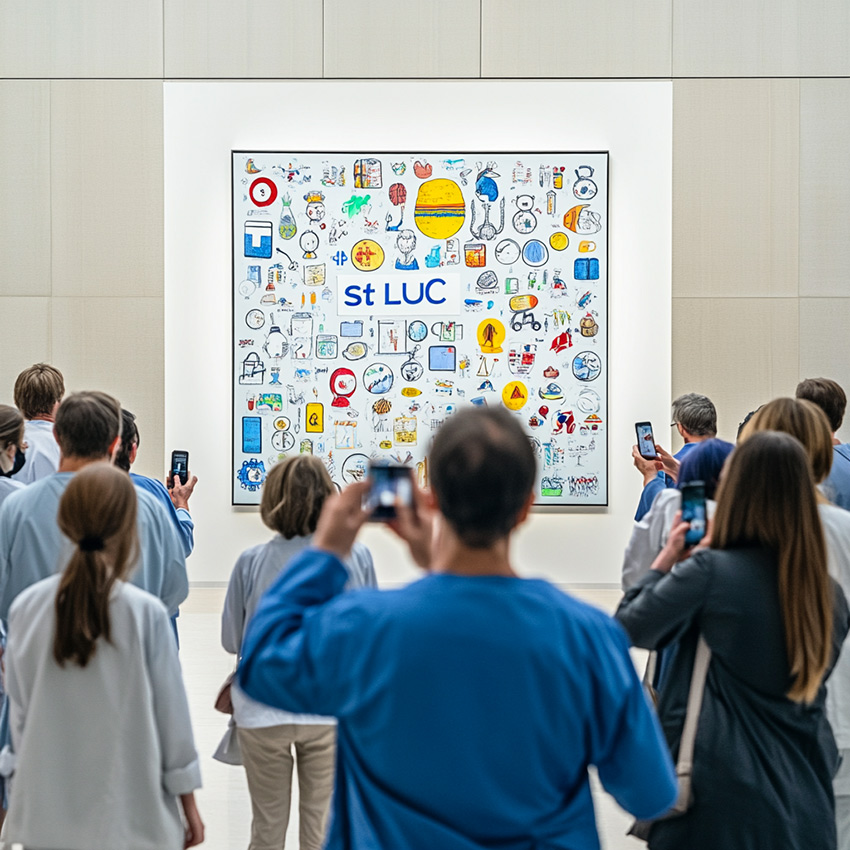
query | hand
[194, 826]
[647, 468]
[341, 519]
[416, 526]
[668, 463]
[179, 491]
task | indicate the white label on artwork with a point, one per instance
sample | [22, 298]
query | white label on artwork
[424, 293]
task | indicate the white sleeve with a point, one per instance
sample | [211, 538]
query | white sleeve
[181, 770]
[233, 615]
[175, 581]
[649, 536]
[17, 689]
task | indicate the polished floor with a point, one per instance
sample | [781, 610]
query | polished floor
[223, 801]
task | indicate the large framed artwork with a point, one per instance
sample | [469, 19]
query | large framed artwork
[375, 293]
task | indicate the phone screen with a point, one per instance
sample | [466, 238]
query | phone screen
[694, 511]
[388, 483]
[645, 440]
[180, 465]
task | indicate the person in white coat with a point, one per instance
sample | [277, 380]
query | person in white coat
[104, 756]
[293, 495]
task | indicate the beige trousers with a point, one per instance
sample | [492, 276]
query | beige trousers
[267, 756]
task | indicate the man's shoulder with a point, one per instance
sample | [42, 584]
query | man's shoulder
[43, 492]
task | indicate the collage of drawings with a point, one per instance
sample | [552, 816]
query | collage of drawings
[376, 293]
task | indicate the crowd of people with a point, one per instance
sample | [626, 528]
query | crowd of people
[460, 712]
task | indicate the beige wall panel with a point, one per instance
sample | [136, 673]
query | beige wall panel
[414, 38]
[735, 187]
[25, 339]
[116, 345]
[243, 38]
[107, 188]
[81, 38]
[574, 38]
[740, 352]
[25, 187]
[750, 38]
[824, 352]
[824, 187]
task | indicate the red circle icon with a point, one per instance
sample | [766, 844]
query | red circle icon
[263, 192]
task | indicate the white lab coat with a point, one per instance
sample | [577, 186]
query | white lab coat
[101, 752]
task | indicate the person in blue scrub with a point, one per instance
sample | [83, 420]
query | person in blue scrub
[470, 703]
[695, 418]
[174, 498]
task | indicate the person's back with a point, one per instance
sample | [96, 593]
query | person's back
[97, 726]
[31, 544]
[103, 755]
[470, 703]
[38, 392]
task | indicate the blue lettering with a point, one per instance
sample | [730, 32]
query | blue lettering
[428, 291]
[368, 291]
[387, 296]
[352, 295]
[407, 297]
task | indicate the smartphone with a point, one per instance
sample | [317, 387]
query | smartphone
[645, 440]
[694, 511]
[180, 465]
[389, 482]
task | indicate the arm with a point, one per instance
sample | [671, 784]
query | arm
[648, 536]
[661, 606]
[175, 581]
[17, 689]
[181, 771]
[292, 655]
[233, 615]
[180, 494]
[186, 527]
[629, 750]
[650, 491]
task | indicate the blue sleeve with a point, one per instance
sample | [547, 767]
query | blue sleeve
[647, 497]
[629, 750]
[293, 654]
[186, 527]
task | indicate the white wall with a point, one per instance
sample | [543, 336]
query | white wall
[204, 121]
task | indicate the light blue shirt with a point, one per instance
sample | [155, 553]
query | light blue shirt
[469, 708]
[32, 547]
[42, 452]
[181, 518]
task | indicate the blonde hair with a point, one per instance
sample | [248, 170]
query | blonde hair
[293, 494]
[801, 419]
[98, 513]
[767, 497]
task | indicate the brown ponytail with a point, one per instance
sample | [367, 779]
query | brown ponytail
[98, 513]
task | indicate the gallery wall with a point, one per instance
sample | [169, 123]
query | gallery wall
[205, 121]
[761, 114]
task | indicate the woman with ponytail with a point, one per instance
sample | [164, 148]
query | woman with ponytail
[104, 756]
[293, 495]
[762, 599]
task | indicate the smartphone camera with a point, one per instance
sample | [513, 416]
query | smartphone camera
[694, 511]
[389, 483]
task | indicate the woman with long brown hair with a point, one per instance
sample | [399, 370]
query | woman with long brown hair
[763, 601]
[104, 754]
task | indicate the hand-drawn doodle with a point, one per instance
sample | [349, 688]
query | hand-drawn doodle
[343, 330]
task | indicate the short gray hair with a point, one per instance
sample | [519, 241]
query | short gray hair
[696, 414]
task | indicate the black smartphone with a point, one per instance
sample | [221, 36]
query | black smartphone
[180, 466]
[388, 482]
[694, 511]
[646, 440]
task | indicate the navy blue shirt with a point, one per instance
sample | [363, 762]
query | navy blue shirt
[469, 707]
